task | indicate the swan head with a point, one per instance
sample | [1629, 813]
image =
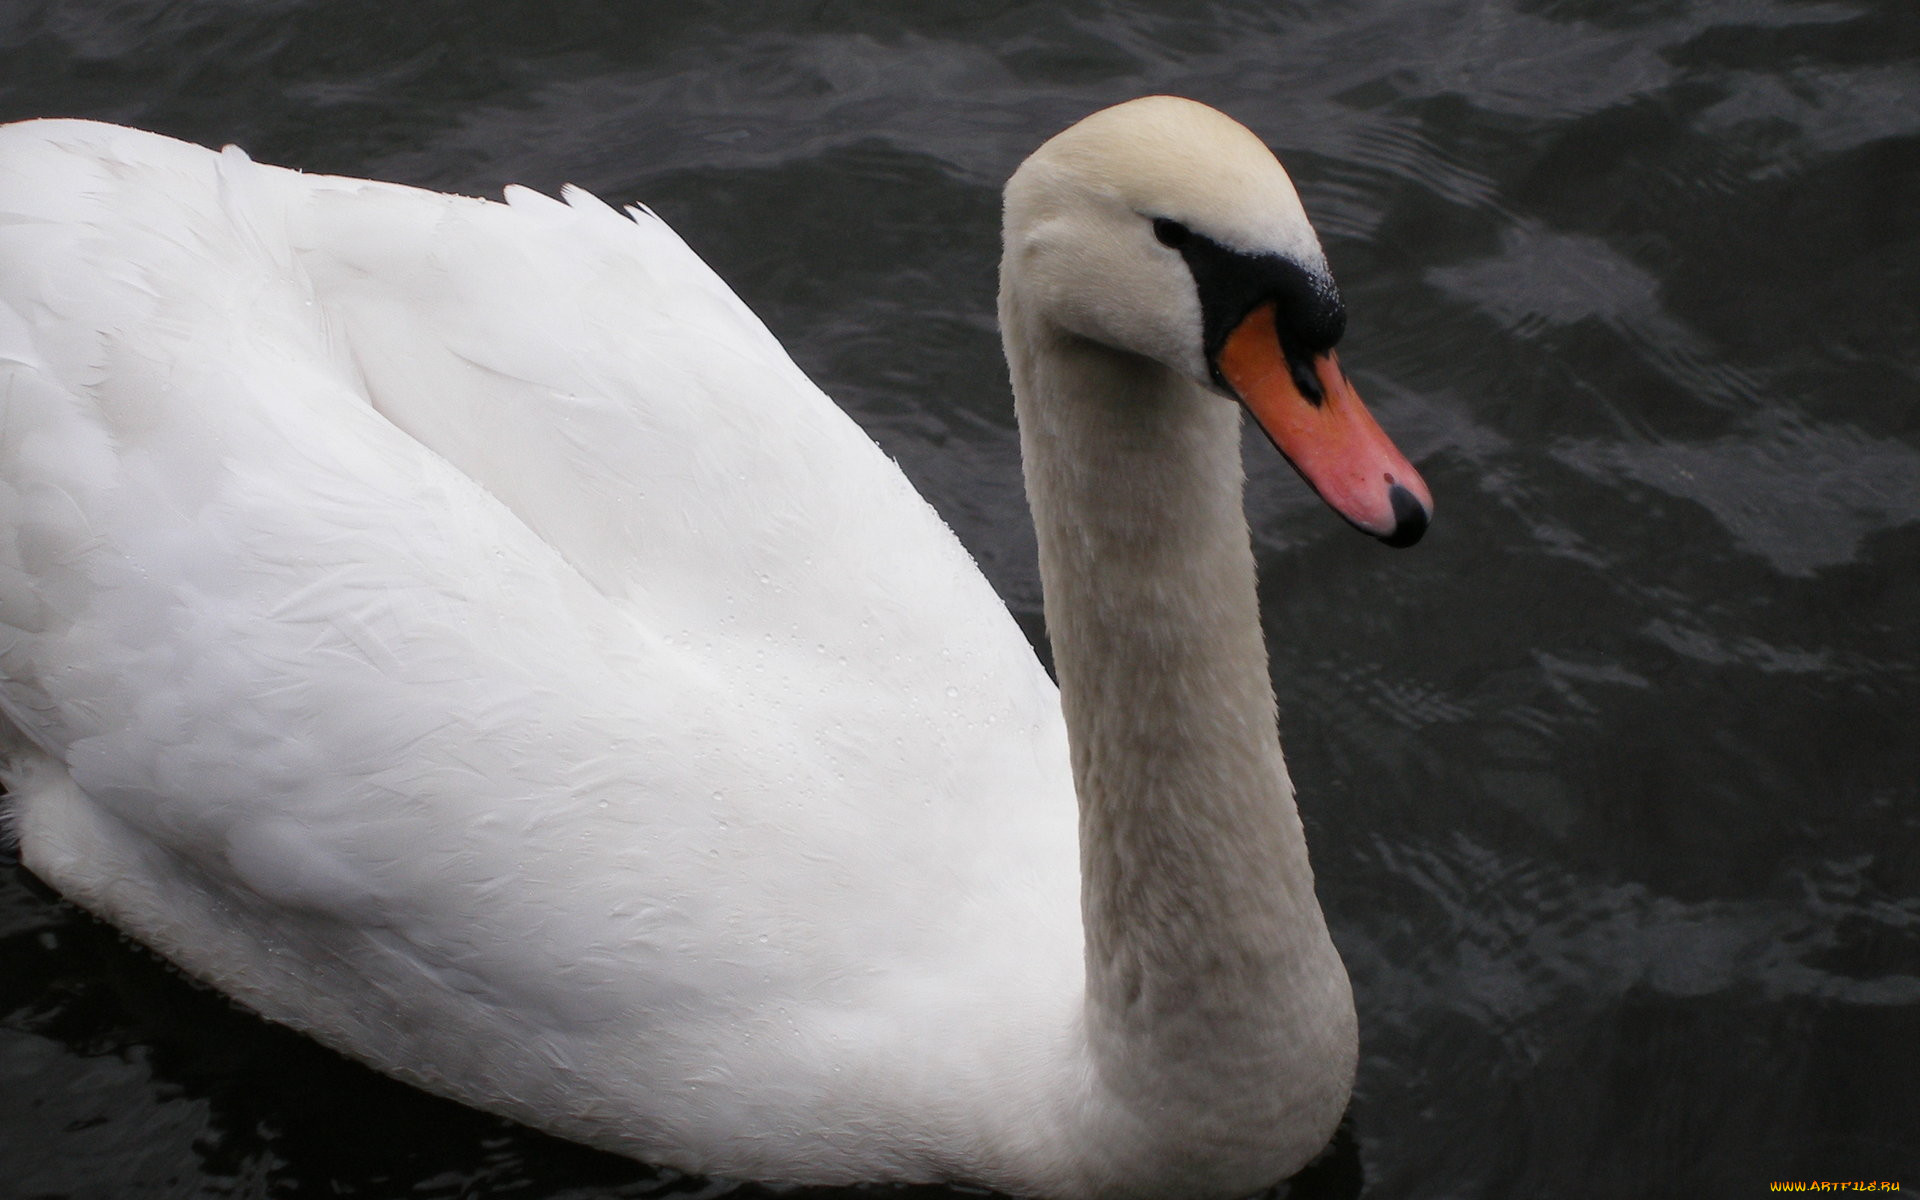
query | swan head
[1163, 228]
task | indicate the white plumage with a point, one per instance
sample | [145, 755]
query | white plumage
[457, 630]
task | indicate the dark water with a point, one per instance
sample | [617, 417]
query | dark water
[1611, 782]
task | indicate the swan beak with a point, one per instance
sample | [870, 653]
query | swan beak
[1331, 439]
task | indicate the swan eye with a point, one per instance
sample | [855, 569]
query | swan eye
[1171, 233]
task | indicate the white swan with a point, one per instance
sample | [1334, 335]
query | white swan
[458, 631]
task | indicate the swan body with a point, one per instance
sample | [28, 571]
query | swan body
[458, 631]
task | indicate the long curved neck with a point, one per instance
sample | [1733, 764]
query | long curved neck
[1211, 982]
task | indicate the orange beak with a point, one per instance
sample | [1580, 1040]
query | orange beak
[1334, 443]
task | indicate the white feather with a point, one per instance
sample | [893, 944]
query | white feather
[458, 630]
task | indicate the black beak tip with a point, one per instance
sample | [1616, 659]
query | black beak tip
[1410, 518]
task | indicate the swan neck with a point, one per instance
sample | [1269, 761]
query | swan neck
[1209, 968]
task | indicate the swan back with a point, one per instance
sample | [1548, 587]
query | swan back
[457, 630]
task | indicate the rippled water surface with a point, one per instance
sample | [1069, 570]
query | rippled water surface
[1611, 782]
